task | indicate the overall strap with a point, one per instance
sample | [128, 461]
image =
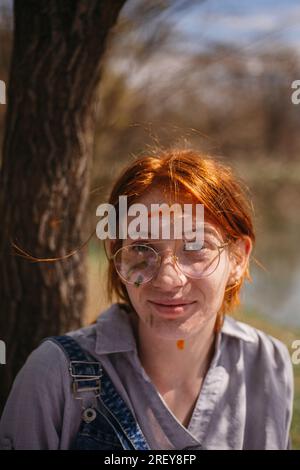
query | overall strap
[88, 375]
[84, 370]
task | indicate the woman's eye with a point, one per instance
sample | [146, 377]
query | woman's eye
[140, 248]
[205, 246]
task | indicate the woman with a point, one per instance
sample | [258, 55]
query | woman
[165, 368]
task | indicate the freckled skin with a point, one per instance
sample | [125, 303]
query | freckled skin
[170, 283]
[205, 294]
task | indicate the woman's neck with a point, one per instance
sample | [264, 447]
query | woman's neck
[171, 365]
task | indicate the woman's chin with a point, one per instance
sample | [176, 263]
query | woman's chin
[171, 328]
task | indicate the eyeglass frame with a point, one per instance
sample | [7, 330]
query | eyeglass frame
[159, 259]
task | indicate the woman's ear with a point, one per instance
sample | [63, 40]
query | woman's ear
[240, 251]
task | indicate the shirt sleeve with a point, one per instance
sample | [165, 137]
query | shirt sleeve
[289, 396]
[271, 382]
[34, 412]
[285, 376]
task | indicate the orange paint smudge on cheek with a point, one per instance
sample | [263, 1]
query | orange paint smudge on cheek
[180, 344]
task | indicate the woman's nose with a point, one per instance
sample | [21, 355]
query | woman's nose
[168, 275]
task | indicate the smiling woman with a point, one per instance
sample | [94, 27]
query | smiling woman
[167, 367]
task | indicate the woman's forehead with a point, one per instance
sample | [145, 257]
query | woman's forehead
[160, 217]
[163, 195]
[160, 196]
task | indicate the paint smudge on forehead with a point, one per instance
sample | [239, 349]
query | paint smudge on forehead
[180, 344]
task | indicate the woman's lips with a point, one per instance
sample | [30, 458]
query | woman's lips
[171, 308]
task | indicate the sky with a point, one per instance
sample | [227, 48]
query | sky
[247, 23]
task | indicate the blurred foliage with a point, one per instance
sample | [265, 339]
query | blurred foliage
[231, 101]
[228, 101]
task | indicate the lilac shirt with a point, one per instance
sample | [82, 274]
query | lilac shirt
[245, 401]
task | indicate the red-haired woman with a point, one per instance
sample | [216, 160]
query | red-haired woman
[165, 367]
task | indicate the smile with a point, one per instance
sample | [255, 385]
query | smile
[171, 307]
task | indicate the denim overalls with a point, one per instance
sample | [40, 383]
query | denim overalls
[109, 424]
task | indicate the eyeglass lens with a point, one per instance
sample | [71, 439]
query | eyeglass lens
[139, 263]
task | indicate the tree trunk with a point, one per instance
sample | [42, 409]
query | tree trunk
[48, 142]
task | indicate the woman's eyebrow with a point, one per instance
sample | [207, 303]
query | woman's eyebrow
[144, 235]
[148, 235]
[207, 229]
[142, 238]
[211, 230]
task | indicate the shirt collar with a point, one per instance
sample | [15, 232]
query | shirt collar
[232, 327]
[115, 332]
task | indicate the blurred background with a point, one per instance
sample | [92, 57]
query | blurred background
[215, 75]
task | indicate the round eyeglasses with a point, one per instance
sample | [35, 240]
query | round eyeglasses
[139, 262]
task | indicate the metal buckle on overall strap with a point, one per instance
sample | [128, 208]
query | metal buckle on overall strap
[79, 378]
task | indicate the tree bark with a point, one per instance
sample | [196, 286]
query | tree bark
[48, 142]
